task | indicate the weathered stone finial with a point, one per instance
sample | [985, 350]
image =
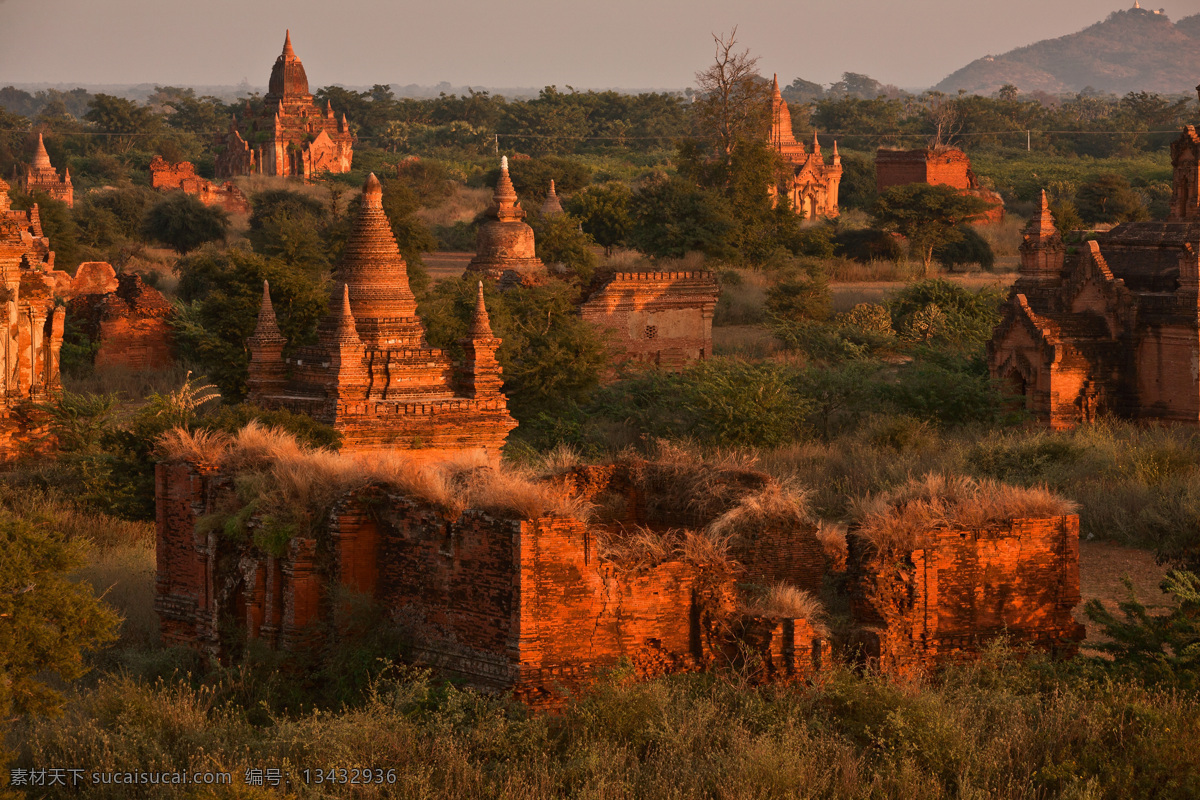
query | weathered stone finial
[288, 52]
[372, 196]
[481, 325]
[504, 163]
[816, 144]
[41, 159]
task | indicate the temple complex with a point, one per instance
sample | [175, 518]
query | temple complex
[811, 184]
[662, 319]
[1111, 325]
[167, 176]
[40, 176]
[940, 166]
[371, 376]
[504, 245]
[288, 135]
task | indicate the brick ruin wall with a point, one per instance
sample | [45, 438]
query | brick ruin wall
[658, 318]
[945, 168]
[127, 320]
[942, 602]
[503, 604]
[181, 176]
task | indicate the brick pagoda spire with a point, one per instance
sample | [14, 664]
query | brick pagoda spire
[377, 275]
[552, 205]
[41, 176]
[504, 245]
[1042, 251]
[267, 371]
[370, 376]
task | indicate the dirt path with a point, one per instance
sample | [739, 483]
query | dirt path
[1101, 567]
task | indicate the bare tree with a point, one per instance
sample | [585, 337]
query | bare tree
[946, 118]
[734, 101]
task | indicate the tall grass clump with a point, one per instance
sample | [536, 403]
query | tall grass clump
[901, 518]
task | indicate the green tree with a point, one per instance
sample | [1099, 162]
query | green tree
[291, 226]
[928, 216]
[47, 621]
[805, 297]
[603, 211]
[560, 241]
[182, 222]
[549, 355]
[969, 248]
[1110, 198]
[672, 217]
[122, 118]
[1162, 645]
[221, 292]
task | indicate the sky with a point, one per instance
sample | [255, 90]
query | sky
[631, 44]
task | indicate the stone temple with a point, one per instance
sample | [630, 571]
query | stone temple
[935, 166]
[1113, 325]
[288, 135]
[504, 245]
[371, 376]
[811, 184]
[40, 176]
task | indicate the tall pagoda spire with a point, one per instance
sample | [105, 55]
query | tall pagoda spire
[41, 159]
[1042, 251]
[481, 325]
[552, 205]
[289, 82]
[267, 371]
[505, 204]
[377, 277]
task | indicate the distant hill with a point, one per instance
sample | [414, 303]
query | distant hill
[1131, 51]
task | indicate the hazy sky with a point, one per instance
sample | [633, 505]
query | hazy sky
[583, 43]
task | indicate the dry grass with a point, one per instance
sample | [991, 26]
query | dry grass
[774, 508]
[639, 547]
[123, 576]
[294, 481]
[1004, 236]
[633, 261]
[784, 601]
[832, 537]
[902, 517]
[845, 270]
[128, 384]
[463, 205]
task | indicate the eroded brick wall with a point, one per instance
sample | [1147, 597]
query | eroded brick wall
[947, 599]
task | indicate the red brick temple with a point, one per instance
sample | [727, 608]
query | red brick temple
[811, 184]
[288, 135]
[504, 245]
[371, 375]
[40, 176]
[1111, 326]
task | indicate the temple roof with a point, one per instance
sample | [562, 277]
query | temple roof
[552, 205]
[288, 79]
[481, 326]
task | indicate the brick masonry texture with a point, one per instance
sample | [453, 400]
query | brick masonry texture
[371, 375]
[944, 600]
[943, 166]
[504, 245]
[181, 176]
[660, 318]
[1109, 326]
[498, 601]
[128, 320]
[288, 134]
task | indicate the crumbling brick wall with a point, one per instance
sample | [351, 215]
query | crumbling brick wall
[945, 599]
[502, 603]
[128, 320]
